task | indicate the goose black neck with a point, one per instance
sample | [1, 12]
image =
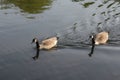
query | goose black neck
[93, 46]
[37, 45]
[93, 41]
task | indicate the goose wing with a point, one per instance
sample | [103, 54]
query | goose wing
[49, 41]
[102, 37]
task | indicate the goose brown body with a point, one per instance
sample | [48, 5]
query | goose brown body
[101, 38]
[49, 43]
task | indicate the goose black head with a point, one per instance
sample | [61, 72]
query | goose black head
[34, 40]
[92, 37]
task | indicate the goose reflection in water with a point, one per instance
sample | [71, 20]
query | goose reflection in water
[37, 54]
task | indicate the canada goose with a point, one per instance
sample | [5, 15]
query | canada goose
[45, 44]
[100, 38]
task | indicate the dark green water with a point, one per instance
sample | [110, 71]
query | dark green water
[74, 21]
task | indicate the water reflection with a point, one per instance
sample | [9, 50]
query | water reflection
[77, 0]
[27, 6]
[87, 4]
[104, 4]
[37, 54]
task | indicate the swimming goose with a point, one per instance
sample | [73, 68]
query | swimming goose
[45, 44]
[100, 38]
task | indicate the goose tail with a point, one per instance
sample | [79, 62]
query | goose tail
[57, 35]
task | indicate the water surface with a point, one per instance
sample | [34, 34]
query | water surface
[73, 21]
